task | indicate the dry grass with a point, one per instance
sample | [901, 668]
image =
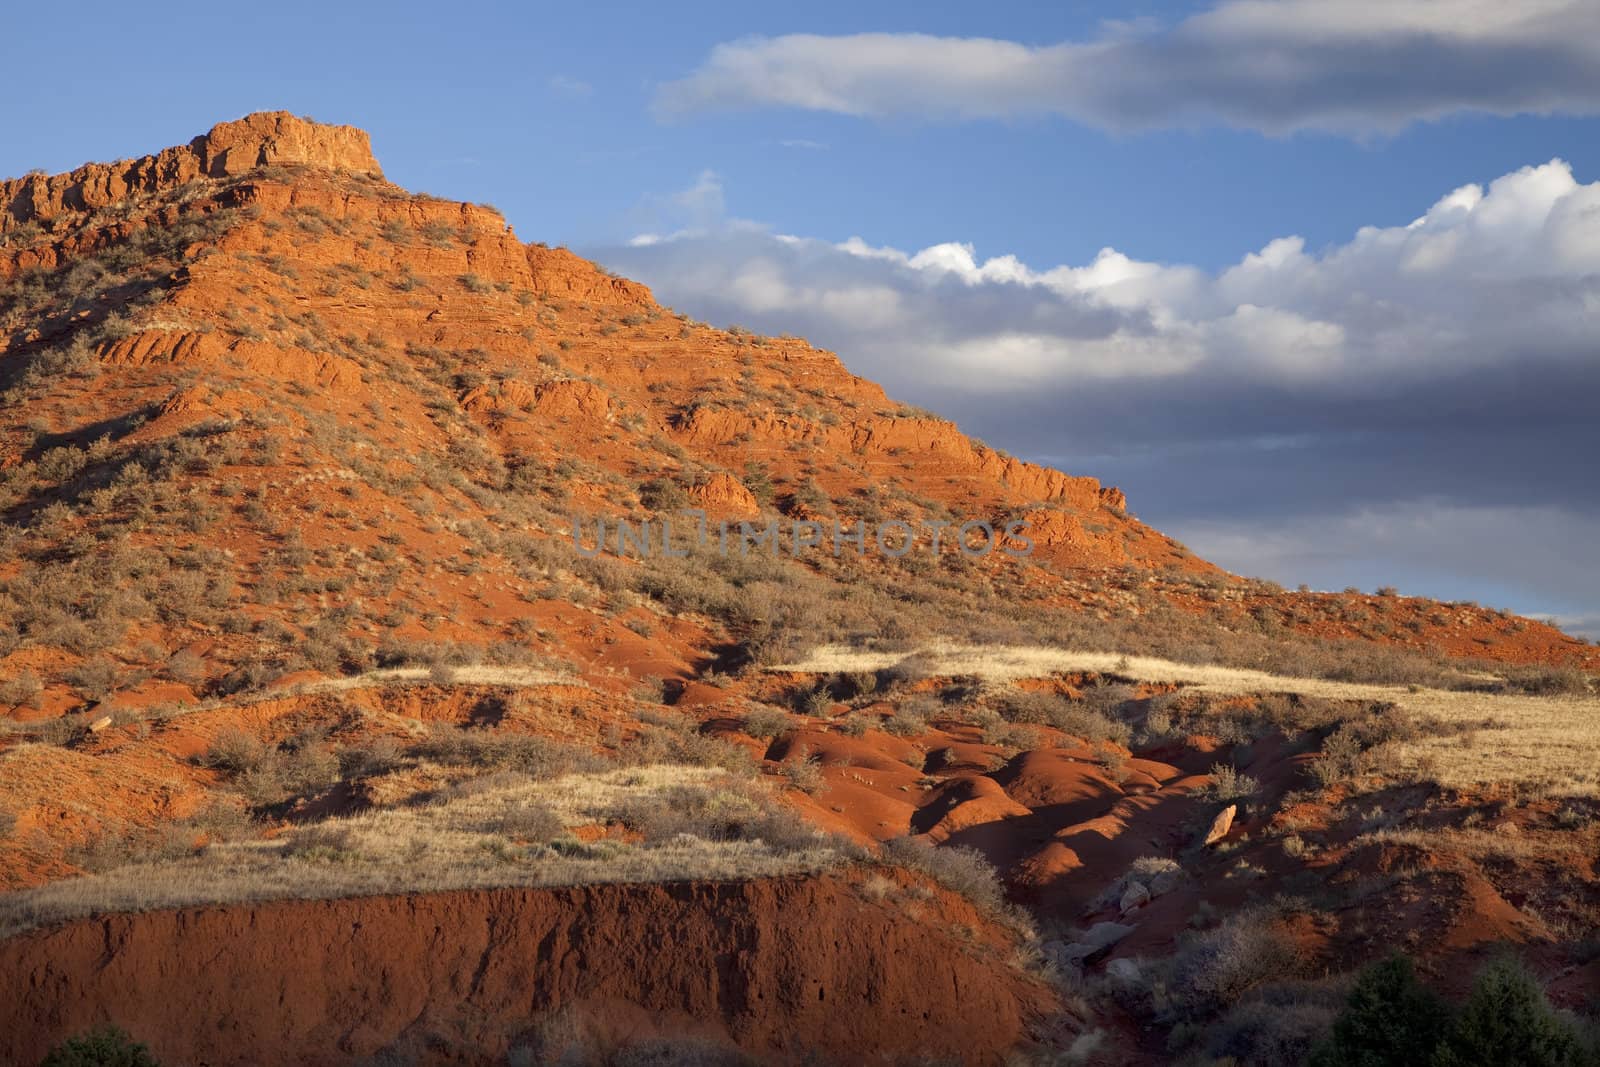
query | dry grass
[477, 675]
[1547, 743]
[1485, 844]
[495, 833]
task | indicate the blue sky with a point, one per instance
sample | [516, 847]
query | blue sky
[1338, 415]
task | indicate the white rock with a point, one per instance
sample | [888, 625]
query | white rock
[1123, 971]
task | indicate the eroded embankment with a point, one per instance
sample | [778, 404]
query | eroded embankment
[783, 967]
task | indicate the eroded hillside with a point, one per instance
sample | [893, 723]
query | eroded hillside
[291, 610]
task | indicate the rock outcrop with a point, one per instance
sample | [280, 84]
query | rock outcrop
[264, 139]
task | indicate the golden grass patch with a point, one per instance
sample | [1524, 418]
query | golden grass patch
[474, 836]
[1544, 743]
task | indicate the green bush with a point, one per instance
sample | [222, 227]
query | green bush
[1389, 1020]
[105, 1046]
[1507, 1021]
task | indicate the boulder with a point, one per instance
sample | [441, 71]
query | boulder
[1097, 939]
[1134, 897]
[1221, 824]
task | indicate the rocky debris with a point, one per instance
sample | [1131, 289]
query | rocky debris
[1094, 942]
[1134, 897]
[1221, 825]
[1166, 881]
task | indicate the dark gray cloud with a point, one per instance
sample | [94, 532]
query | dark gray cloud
[1274, 65]
[1433, 385]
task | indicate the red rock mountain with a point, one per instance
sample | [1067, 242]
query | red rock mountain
[289, 463]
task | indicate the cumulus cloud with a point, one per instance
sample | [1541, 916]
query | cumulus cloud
[1452, 360]
[1271, 65]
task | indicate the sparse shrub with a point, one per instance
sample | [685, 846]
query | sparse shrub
[534, 823]
[185, 667]
[1545, 680]
[853, 725]
[957, 868]
[364, 761]
[106, 1046]
[1077, 719]
[765, 723]
[22, 690]
[860, 683]
[308, 768]
[1276, 1025]
[1340, 757]
[1228, 784]
[533, 756]
[683, 744]
[728, 813]
[94, 678]
[1214, 969]
[235, 752]
[325, 842]
[662, 494]
[816, 702]
[1015, 736]
[650, 690]
[759, 482]
[908, 720]
[804, 772]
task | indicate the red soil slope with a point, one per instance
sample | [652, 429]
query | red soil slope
[782, 968]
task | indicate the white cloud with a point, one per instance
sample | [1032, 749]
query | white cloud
[1452, 358]
[1273, 65]
[1484, 278]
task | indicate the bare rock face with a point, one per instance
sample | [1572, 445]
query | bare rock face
[1221, 824]
[277, 138]
[267, 138]
[723, 494]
